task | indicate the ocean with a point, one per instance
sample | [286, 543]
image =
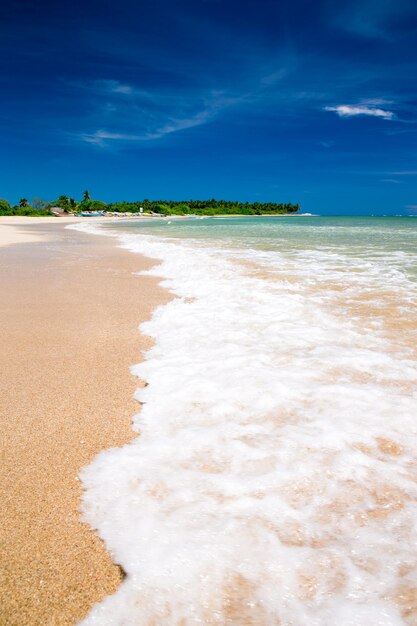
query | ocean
[274, 480]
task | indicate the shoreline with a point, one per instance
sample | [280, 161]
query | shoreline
[71, 313]
[225, 458]
[218, 443]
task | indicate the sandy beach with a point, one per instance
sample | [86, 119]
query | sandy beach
[69, 314]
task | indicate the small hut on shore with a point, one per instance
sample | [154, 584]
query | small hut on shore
[56, 210]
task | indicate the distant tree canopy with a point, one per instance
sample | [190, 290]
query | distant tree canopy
[23, 208]
[204, 207]
[92, 205]
[161, 207]
[63, 202]
[4, 205]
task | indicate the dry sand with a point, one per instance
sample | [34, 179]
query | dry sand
[69, 312]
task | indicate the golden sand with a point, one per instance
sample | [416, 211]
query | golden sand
[69, 312]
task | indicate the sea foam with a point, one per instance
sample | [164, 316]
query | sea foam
[274, 478]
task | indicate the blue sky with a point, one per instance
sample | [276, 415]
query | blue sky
[304, 101]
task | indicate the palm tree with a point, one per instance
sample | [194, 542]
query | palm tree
[86, 196]
[63, 202]
[23, 202]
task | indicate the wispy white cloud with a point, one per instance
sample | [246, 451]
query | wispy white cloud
[122, 112]
[390, 180]
[125, 89]
[274, 77]
[175, 125]
[404, 173]
[100, 137]
[376, 101]
[103, 87]
[171, 124]
[112, 86]
[352, 110]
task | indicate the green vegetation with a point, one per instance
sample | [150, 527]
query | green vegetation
[203, 207]
[23, 208]
[92, 205]
[162, 207]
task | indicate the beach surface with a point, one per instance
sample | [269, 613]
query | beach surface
[69, 314]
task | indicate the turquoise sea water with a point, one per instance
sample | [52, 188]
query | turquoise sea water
[323, 230]
[392, 238]
[274, 481]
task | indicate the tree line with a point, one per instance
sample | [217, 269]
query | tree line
[204, 207]
[40, 207]
[163, 207]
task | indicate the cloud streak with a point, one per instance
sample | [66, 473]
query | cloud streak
[102, 137]
[146, 116]
[352, 110]
[112, 86]
[404, 173]
[172, 124]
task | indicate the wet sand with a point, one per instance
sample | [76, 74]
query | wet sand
[69, 312]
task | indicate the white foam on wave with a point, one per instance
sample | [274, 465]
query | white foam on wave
[274, 480]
